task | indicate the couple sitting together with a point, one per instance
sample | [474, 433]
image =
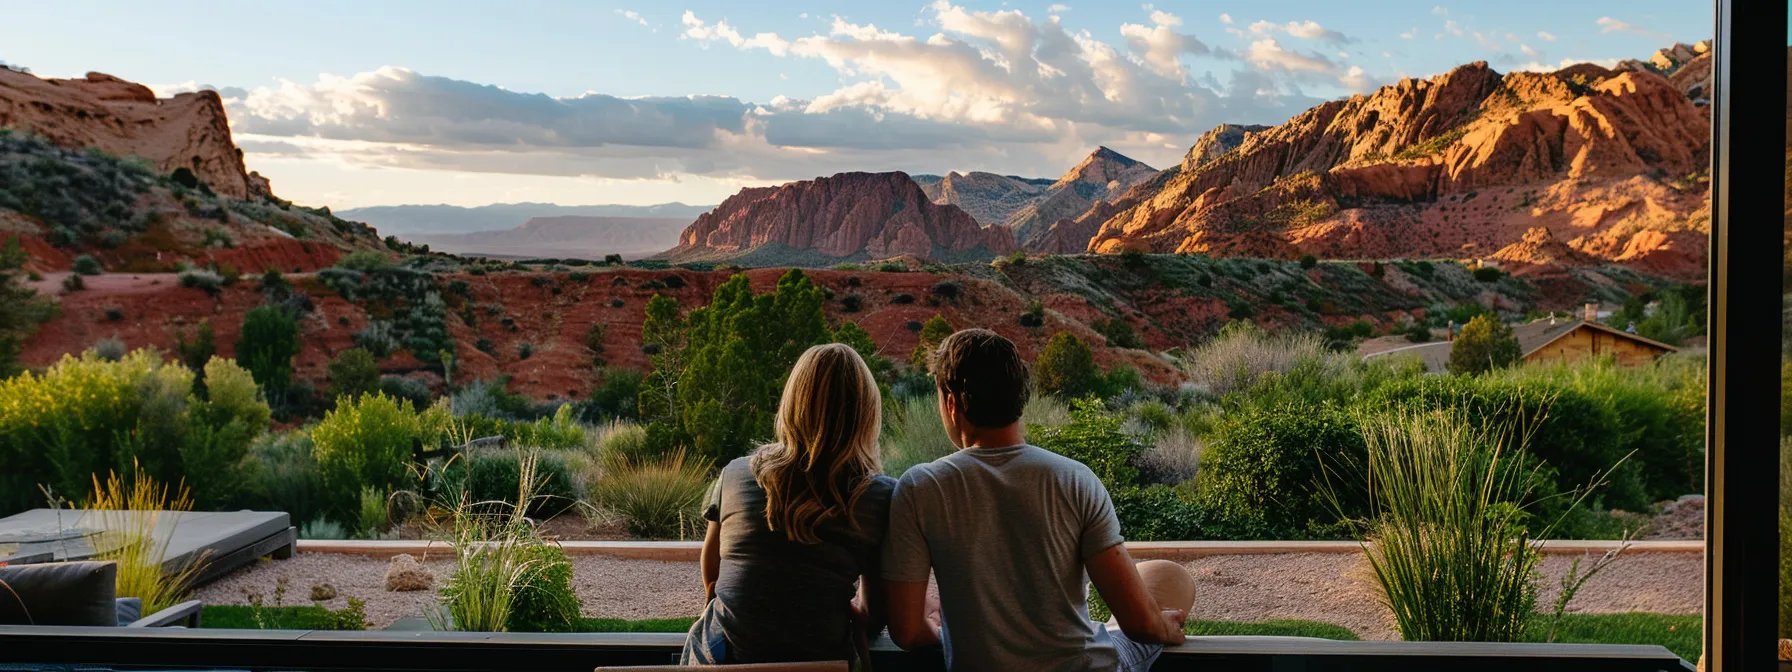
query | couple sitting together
[1012, 533]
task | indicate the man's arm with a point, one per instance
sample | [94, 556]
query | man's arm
[711, 559]
[911, 625]
[1140, 617]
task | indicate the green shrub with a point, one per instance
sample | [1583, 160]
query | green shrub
[281, 475]
[621, 443]
[1266, 468]
[1488, 274]
[365, 261]
[221, 427]
[544, 600]
[659, 498]
[492, 476]
[1485, 344]
[197, 352]
[560, 431]
[617, 396]
[1576, 435]
[371, 517]
[73, 282]
[353, 373]
[934, 330]
[207, 281]
[324, 529]
[266, 345]
[1066, 367]
[87, 265]
[1307, 262]
[1118, 332]
[1156, 513]
[1094, 437]
[109, 349]
[407, 388]
[365, 442]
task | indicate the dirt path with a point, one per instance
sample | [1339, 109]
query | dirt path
[1329, 587]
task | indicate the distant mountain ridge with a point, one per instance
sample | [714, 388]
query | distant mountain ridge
[988, 197]
[1101, 177]
[564, 237]
[408, 220]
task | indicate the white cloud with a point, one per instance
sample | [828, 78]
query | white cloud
[1528, 51]
[986, 90]
[1226, 18]
[1535, 66]
[1439, 11]
[1409, 34]
[696, 29]
[1306, 30]
[1160, 45]
[1545, 36]
[632, 15]
[1059, 7]
[1610, 25]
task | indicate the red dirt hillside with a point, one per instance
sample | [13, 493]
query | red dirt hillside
[840, 218]
[1461, 165]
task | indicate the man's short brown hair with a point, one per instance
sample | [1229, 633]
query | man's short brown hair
[987, 375]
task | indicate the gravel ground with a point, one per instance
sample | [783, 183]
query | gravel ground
[1331, 587]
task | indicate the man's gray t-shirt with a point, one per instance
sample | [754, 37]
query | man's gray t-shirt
[1006, 532]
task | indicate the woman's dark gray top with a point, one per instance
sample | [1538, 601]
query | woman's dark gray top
[779, 600]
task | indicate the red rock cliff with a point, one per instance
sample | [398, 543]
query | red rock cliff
[874, 215]
[126, 119]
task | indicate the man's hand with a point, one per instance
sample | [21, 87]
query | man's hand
[1172, 622]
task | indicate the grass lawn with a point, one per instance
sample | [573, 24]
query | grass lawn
[243, 617]
[1682, 634]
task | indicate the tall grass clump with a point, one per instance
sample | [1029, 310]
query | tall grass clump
[913, 434]
[1242, 354]
[492, 552]
[654, 498]
[130, 515]
[1446, 536]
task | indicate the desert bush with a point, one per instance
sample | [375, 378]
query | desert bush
[1118, 332]
[371, 516]
[851, 303]
[378, 338]
[1066, 367]
[1264, 470]
[560, 431]
[365, 261]
[407, 388]
[620, 443]
[322, 528]
[75, 193]
[207, 281]
[1307, 262]
[73, 282]
[1173, 457]
[114, 313]
[365, 442]
[1488, 274]
[109, 349]
[947, 289]
[544, 599]
[1034, 316]
[1242, 354]
[525, 350]
[902, 299]
[87, 265]
[353, 373]
[656, 498]
[936, 329]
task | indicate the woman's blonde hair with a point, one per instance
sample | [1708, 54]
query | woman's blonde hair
[826, 453]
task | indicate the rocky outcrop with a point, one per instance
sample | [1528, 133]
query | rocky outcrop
[987, 197]
[1102, 176]
[1540, 247]
[1460, 165]
[1215, 143]
[846, 216]
[126, 119]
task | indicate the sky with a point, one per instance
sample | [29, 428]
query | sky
[352, 104]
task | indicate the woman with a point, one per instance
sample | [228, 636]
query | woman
[793, 526]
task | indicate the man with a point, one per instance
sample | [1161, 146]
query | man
[1014, 534]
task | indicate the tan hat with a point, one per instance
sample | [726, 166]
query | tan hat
[1169, 584]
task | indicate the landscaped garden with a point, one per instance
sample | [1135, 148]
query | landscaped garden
[1267, 436]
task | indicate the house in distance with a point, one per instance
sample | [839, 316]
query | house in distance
[1553, 339]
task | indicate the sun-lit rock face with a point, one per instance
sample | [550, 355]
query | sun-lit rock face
[124, 118]
[1101, 177]
[1460, 165]
[849, 215]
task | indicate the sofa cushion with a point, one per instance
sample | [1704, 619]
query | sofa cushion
[59, 593]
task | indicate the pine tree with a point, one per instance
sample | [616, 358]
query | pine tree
[353, 373]
[1485, 344]
[662, 337]
[1066, 367]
